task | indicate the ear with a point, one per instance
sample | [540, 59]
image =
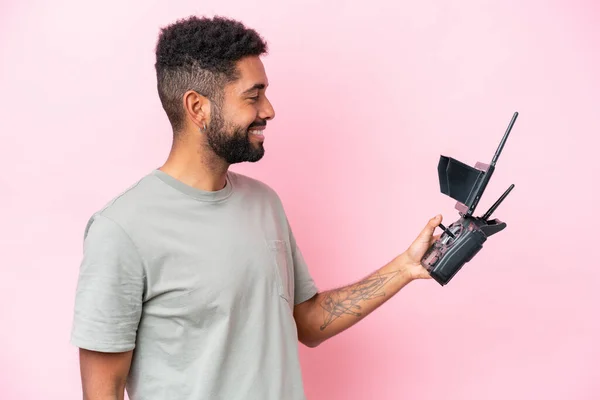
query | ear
[197, 108]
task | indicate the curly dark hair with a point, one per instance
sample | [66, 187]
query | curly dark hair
[200, 54]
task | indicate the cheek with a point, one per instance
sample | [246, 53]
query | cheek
[251, 115]
[242, 117]
[246, 118]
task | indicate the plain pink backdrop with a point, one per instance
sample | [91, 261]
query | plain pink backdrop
[367, 95]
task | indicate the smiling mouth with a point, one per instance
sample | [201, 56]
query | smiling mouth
[257, 132]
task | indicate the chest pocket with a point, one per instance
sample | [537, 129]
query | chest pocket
[281, 261]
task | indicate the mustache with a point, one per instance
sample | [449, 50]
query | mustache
[257, 124]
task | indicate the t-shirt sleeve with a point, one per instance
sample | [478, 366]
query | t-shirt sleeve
[108, 300]
[305, 287]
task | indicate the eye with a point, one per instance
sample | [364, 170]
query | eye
[253, 98]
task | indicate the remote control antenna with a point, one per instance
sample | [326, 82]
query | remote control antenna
[503, 141]
[480, 186]
[497, 203]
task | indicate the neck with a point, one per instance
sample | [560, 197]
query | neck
[196, 167]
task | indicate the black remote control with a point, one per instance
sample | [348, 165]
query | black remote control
[463, 239]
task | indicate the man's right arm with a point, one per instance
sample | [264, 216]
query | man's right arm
[108, 307]
[103, 375]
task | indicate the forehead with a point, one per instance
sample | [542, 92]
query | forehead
[251, 73]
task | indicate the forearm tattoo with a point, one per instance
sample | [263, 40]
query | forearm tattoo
[346, 301]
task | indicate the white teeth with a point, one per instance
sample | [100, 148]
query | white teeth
[255, 132]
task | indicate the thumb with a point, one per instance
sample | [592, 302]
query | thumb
[433, 223]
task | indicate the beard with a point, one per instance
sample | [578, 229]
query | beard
[232, 143]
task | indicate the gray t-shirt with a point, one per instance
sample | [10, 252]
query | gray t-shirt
[201, 284]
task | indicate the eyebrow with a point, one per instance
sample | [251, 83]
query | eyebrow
[256, 86]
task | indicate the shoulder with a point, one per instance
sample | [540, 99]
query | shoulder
[124, 206]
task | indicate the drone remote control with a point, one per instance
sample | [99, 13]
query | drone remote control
[459, 243]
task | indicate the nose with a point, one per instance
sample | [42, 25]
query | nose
[267, 112]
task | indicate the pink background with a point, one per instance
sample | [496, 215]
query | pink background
[374, 92]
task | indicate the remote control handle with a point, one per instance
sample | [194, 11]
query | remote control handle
[448, 255]
[450, 264]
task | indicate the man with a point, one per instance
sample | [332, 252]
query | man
[192, 285]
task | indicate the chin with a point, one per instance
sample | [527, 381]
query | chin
[256, 158]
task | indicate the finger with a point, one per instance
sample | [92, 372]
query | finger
[434, 239]
[433, 223]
